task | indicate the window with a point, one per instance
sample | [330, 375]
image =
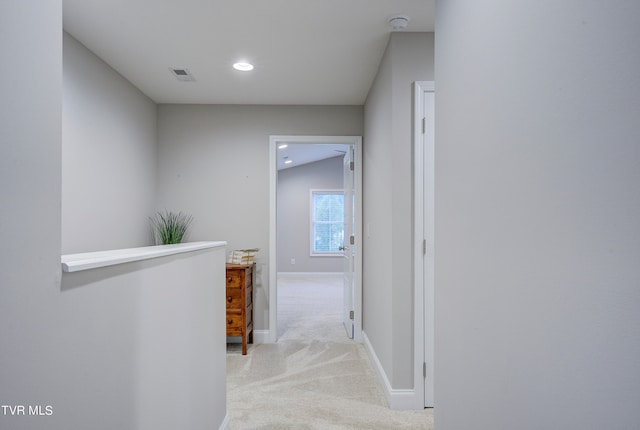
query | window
[327, 222]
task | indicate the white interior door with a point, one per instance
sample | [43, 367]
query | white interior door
[428, 137]
[348, 244]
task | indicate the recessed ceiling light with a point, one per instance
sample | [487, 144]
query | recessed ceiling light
[284, 145]
[288, 161]
[243, 67]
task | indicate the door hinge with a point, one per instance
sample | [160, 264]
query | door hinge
[424, 246]
[351, 315]
[352, 240]
[424, 370]
[424, 125]
[352, 165]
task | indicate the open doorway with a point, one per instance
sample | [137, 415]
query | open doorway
[309, 247]
[310, 235]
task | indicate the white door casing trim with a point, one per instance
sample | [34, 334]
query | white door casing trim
[274, 141]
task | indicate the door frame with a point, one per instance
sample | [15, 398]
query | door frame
[274, 141]
[424, 189]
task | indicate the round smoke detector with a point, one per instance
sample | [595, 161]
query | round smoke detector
[398, 22]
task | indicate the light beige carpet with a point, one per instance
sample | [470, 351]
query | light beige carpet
[314, 377]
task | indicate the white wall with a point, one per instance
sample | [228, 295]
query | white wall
[537, 238]
[145, 344]
[388, 182]
[294, 217]
[108, 156]
[214, 164]
[67, 347]
[30, 142]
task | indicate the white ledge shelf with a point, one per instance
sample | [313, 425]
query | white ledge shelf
[93, 260]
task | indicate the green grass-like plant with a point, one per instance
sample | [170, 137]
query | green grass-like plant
[170, 227]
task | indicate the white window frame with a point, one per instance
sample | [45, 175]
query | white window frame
[313, 253]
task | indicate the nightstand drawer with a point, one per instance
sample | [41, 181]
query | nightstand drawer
[234, 280]
[235, 321]
[234, 298]
[238, 279]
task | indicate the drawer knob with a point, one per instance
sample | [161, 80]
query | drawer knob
[228, 279]
[229, 299]
[229, 321]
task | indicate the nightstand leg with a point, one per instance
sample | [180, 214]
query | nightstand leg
[244, 345]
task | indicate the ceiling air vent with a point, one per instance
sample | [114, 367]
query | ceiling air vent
[183, 75]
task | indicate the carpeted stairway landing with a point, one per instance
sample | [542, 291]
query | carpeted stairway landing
[314, 377]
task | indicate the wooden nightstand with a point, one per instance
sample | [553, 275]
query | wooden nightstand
[240, 302]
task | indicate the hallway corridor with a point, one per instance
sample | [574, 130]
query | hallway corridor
[314, 377]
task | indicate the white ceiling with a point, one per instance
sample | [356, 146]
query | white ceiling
[318, 52]
[305, 153]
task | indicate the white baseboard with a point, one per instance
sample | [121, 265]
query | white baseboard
[401, 400]
[225, 423]
[310, 274]
[261, 336]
